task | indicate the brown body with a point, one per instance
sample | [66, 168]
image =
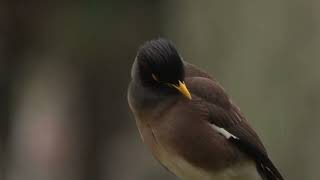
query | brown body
[189, 122]
[179, 132]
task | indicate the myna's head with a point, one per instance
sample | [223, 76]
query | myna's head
[158, 66]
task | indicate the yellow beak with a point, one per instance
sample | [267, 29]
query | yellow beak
[183, 89]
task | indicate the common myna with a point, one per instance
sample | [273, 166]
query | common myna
[189, 122]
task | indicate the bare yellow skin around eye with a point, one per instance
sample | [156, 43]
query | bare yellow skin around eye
[182, 88]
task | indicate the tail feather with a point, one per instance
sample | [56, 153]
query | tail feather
[268, 171]
[264, 165]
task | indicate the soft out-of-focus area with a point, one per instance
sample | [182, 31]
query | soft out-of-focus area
[65, 67]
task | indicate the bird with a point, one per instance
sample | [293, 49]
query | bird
[189, 122]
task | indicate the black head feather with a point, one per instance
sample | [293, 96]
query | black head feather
[159, 58]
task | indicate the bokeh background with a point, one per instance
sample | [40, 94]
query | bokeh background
[65, 67]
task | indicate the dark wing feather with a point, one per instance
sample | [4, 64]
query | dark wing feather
[223, 113]
[264, 165]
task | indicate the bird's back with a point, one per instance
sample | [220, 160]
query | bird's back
[222, 107]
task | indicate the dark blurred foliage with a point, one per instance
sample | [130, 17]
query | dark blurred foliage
[65, 67]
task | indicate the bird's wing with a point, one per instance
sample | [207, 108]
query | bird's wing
[227, 119]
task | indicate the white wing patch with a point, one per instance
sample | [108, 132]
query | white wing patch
[223, 132]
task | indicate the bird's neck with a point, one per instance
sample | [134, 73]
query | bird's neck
[148, 100]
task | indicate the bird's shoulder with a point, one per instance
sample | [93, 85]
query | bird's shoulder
[193, 71]
[220, 109]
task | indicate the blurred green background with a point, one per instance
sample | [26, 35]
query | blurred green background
[65, 67]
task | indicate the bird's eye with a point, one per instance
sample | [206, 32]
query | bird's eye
[154, 77]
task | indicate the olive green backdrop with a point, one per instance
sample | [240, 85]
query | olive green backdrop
[65, 67]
